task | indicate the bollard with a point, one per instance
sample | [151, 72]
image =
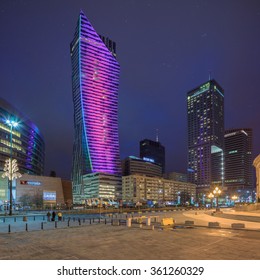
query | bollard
[9, 228]
[129, 222]
[41, 225]
[68, 222]
[90, 221]
[34, 218]
[99, 220]
[105, 221]
[55, 224]
[26, 227]
[79, 222]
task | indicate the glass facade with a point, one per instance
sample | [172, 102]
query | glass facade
[205, 108]
[238, 163]
[95, 82]
[153, 150]
[28, 146]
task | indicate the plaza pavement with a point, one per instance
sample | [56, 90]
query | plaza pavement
[105, 241]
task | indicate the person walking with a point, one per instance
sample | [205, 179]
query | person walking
[53, 216]
[49, 216]
[59, 216]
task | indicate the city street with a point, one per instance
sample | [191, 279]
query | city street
[104, 241]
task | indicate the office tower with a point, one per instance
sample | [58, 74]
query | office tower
[134, 165]
[24, 142]
[176, 176]
[153, 150]
[238, 162]
[205, 107]
[95, 82]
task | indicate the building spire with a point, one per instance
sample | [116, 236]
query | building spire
[209, 75]
[157, 135]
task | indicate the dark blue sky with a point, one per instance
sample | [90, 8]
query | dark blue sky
[165, 48]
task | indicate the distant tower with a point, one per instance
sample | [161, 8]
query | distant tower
[238, 162]
[157, 135]
[95, 82]
[153, 150]
[205, 108]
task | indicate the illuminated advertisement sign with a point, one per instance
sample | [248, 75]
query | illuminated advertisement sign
[50, 196]
[31, 183]
[148, 159]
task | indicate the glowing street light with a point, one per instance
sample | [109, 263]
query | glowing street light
[234, 198]
[211, 196]
[11, 168]
[217, 192]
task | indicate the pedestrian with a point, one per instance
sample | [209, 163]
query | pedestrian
[53, 216]
[49, 216]
[59, 216]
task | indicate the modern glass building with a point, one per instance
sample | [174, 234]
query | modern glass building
[205, 108]
[27, 145]
[95, 82]
[153, 150]
[238, 163]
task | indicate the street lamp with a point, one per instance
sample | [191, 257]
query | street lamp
[234, 198]
[217, 192]
[211, 196]
[11, 168]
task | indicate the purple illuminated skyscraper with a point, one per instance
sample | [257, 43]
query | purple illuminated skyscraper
[95, 81]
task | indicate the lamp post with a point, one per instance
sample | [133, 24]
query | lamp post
[217, 192]
[234, 198]
[12, 124]
[211, 196]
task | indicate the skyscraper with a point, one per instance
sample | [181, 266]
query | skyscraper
[205, 107]
[153, 150]
[238, 162]
[27, 146]
[95, 82]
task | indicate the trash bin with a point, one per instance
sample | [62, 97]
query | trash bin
[24, 218]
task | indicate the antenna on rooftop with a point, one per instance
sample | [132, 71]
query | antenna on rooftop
[157, 135]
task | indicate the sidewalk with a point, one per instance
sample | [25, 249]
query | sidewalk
[203, 219]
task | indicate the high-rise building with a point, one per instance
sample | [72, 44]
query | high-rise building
[238, 162]
[134, 165]
[205, 107]
[27, 145]
[153, 150]
[176, 176]
[95, 82]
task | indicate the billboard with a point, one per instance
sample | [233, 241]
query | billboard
[49, 196]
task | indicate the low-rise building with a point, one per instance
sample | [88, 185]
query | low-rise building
[99, 185]
[37, 191]
[144, 188]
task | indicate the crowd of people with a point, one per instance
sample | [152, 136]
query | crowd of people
[52, 216]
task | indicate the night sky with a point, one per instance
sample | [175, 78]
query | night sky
[165, 48]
